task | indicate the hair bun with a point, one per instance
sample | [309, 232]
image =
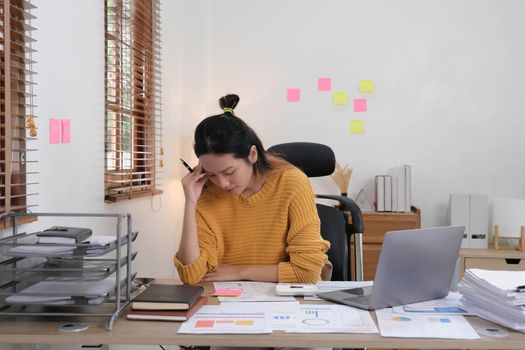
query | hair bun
[229, 102]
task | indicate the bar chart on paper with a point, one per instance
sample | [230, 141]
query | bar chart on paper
[213, 319]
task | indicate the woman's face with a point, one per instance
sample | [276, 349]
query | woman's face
[229, 173]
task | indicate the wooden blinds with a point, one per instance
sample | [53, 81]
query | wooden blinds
[133, 145]
[17, 119]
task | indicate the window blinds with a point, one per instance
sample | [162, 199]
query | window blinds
[17, 119]
[133, 143]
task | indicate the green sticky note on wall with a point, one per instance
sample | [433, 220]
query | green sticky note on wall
[357, 127]
[340, 98]
[366, 86]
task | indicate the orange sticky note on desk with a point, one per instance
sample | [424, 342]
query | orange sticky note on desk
[227, 292]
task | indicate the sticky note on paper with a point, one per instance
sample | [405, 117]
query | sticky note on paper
[340, 98]
[357, 127]
[293, 95]
[54, 131]
[359, 104]
[366, 86]
[227, 292]
[66, 131]
[324, 84]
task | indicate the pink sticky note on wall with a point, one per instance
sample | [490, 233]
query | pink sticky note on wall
[54, 131]
[324, 84]
[66, 131]
[293, 95]
[360, 105]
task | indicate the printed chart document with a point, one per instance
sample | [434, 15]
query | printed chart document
[333, 319]
[229, 318]
[424, 326]
[449, 305]
[251, 291]
[329, 286]
[283, 316]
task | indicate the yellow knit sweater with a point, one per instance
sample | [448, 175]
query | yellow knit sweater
[277, 225]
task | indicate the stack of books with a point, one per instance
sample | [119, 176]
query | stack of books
[167, 302]
[394, 192]
[498, 296]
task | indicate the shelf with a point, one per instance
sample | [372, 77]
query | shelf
[89, 278]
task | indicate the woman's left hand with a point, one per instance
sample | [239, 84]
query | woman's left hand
[224, 272]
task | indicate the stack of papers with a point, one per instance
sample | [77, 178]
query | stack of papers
[94, 245]
[498, 296]
[62, 293]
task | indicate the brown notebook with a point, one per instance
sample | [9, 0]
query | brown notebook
[167, 297]
[162, 315]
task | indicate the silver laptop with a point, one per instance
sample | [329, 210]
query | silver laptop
[414, 265]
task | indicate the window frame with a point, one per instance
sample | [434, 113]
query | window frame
[132, 99]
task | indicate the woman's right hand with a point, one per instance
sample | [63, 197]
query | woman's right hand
[193, 183]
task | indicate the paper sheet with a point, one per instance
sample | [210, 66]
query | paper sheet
[229, 318]
[450, 305]
[251, 291]
[283, 316]
[424, 326]
[333, 319]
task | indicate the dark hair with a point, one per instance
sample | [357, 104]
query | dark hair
[226, 133]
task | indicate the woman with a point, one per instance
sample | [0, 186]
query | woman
[256, 220]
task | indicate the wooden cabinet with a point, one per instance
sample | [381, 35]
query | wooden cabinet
[490, 259]
[376, 224]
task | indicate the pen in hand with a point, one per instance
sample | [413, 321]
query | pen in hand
[186, 165]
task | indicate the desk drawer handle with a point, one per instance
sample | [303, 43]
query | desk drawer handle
[512, 261]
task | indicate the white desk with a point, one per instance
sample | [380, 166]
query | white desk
[42, 330]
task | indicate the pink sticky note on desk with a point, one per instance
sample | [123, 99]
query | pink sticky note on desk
[324, 84]
[66, 132]
[293, 95]
[360, 105]
[227, 292]
[54, 131]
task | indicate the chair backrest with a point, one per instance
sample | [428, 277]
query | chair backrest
[333, 229]
[315, 160]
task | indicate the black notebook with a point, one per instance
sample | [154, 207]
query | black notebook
[63, 234]
[167, 297]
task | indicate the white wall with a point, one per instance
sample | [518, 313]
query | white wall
[70, 44]
[448, 100]
[448, 77]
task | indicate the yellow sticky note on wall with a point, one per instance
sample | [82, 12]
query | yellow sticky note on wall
[366, 86]
[340, 98]
[357, 127]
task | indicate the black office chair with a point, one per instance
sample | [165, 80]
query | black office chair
[316, 160]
